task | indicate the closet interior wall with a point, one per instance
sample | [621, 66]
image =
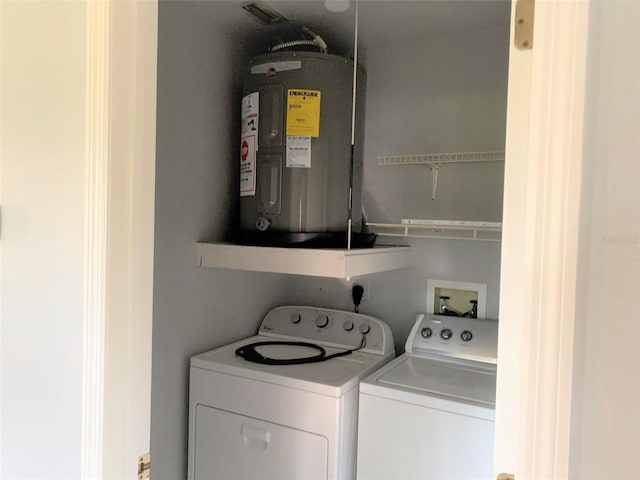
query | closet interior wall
[195, 309]
[428, 95]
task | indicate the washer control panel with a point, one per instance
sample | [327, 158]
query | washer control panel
[465, 338]
[334, 328]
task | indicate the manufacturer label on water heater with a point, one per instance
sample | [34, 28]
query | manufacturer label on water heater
[298, 152]
[249, 144]
[303, 112]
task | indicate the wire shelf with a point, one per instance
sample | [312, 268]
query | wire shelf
[442, 158]
[443, 229]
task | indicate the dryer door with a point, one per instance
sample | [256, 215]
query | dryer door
[228, 445]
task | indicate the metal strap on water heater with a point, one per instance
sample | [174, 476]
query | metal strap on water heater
[353, 127]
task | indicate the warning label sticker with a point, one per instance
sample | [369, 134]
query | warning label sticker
[250, 110]
[303, 112]
[298, 152]
[248, 166]
[249, 144]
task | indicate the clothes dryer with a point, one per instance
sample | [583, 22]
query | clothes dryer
[259, 421]
[429, 414]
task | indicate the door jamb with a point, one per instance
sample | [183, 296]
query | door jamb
[121, 75]
[543, 175]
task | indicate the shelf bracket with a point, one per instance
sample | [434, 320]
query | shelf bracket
[434, 179]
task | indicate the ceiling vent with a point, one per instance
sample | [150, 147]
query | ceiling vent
[265, 14]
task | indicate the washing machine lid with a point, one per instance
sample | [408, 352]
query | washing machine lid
[456, 381]
[464, 388]
[334, 377]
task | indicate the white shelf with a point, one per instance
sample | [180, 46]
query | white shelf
[444, 229]
[330, 263]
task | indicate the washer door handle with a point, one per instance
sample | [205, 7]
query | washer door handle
[255, 437]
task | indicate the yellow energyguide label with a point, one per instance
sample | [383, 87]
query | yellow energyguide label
[303, 112]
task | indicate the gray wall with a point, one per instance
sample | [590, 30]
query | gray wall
[433, 95]
[411, 97]
[195, 309]
[446, 94]
[605, 430]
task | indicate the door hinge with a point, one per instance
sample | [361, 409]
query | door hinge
[506, 476]
[525, 11]
[144, 466]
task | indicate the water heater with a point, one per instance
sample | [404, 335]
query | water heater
[298, 173]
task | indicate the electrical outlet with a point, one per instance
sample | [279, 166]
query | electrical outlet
[365, 284]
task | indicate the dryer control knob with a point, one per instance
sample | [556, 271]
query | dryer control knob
[348, 325]
[466, 336]
[296, 317]
[322, 320]
[365, 328]
[426, 332]
[445, 333]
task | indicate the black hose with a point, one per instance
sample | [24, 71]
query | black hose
[249, 353]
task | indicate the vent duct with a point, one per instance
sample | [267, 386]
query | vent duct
[264, 14]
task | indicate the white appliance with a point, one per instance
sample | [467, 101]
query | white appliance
[429, 414]
[277, 422]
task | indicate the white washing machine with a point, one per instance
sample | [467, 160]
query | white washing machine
[429, 414]
[259, 421]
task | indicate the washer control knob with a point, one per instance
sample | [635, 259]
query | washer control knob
[348, 325]
[466, 336]
[445, 333]
[426, 332]
[322, 320]
[365, 328]
[296, 317]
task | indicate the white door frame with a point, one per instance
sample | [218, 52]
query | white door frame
[95, 245]
[540, 244]
[120, 186]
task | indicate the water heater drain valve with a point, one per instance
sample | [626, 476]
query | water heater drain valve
[263, 224]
